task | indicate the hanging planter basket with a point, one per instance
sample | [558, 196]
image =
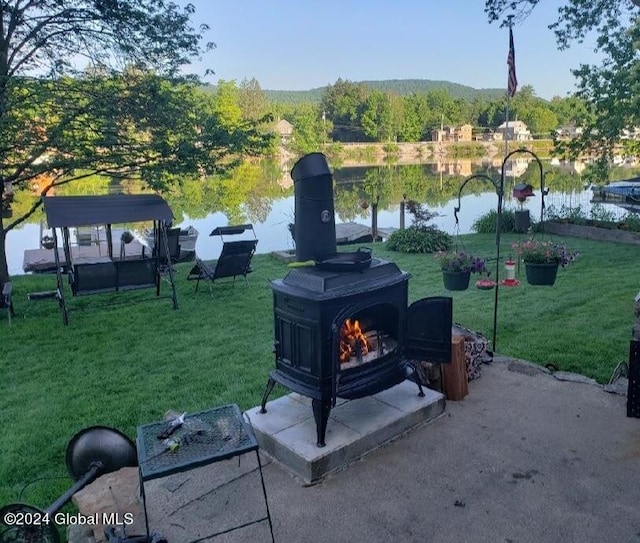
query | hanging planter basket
[541, 273]
[456, 280]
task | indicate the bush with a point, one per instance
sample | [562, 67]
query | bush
[391, 148]
[599, 216]
[573, 215]
[419, 240]
[420, 237]
[632, 222]
[486, 224]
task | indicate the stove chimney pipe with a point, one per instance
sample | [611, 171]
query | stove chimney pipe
[315, 225]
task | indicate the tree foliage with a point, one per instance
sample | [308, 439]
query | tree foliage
[252, 99]
[126, 114]
[359, 113]
[610, 89]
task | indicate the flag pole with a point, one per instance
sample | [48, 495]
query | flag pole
[512, 84]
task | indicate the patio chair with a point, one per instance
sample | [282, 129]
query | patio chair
[234, 260]
[6, 301]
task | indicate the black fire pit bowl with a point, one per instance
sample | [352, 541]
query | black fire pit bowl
[102, 444]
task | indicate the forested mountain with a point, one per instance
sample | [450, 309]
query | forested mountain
[405, 87]
[402, 87]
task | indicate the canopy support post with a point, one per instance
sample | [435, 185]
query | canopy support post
[59, 284]
[165, 240]
[109, 242]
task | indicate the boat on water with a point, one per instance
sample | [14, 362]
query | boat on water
[188, 238]
[625, 194]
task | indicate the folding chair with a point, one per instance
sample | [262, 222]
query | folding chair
[234, 260]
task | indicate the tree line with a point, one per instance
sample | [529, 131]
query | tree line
[354, 112]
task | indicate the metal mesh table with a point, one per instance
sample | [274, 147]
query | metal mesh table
[206, 437]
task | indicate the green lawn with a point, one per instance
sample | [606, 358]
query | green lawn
[126, 365]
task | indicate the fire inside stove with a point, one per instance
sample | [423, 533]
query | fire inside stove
[360, 346]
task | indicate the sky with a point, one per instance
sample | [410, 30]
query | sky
[305, 44]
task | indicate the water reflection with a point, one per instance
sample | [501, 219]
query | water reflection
[262, 194]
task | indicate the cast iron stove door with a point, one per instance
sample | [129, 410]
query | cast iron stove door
[429, 323]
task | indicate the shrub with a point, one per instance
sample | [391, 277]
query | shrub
[420, 237]
[486, 224]
[601, 214]
[632, 222]
[391, 148]
[419, 240]
[574, 215]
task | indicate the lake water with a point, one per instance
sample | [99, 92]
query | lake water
[273, 233]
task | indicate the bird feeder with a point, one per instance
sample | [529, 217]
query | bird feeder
[510, 271]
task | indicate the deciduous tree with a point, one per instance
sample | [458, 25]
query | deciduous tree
[126, 114]
[610, 89]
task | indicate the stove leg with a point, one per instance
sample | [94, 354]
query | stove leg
[321, 410]
[412, 374]
[270, 384]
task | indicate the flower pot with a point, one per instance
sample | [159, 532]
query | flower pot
[541, 273]
[456, 280]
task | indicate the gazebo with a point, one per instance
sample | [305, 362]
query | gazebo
[109, 273]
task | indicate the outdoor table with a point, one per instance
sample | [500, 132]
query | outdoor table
[206, 437]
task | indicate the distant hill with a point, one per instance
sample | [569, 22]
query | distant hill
[403, 87]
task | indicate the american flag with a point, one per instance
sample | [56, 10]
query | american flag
[511, 62]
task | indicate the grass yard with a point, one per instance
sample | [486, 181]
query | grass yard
[125, 365]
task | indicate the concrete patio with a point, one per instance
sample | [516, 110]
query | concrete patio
[525, 457]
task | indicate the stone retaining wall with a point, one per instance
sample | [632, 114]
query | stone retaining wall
[592, 232]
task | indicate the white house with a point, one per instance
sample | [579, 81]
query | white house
[515, 131]
[285, 130]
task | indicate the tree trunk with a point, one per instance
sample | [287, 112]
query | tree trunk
[4, 268]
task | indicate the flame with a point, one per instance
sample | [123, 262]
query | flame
[350, 336]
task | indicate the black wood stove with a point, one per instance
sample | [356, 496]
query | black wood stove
[343, 327]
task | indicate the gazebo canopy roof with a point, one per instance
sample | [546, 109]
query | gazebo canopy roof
[65, 211]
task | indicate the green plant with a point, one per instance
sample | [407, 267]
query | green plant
[421, 215]
[466, 150]
[632, 222]
[420, 237]
[460, 261]
[414, 240]
[486, 224]
[600, 213]
[544, 252]
[391, 148]
[575, 215]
